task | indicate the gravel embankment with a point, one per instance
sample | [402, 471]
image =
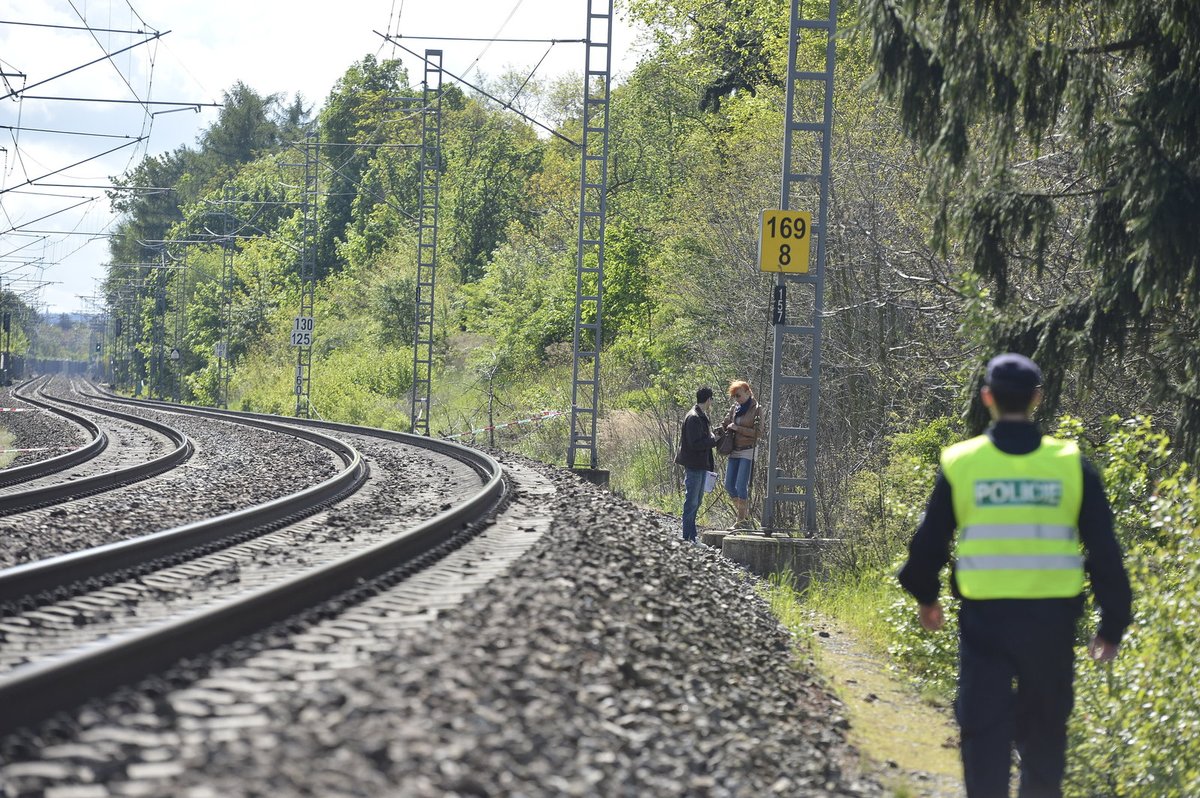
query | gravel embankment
[36, 428]
[233, 467]
[407, 485]
[611, 659]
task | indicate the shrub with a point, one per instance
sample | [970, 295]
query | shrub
[882, 506]
[1135, 732]
[1136, 729]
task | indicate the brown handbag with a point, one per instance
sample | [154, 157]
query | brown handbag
[725, 442]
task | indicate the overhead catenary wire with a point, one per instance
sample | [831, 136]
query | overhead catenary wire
[492, 40]
[21, 129]
[107, 56]
[44, 233]
[182, 104]
[16, 227]
[22, 92]
[32, 181]
[372, 193]
[362, 146]
[5, 74]
[74, 27]
[487, 94]
[137, 145]
[91, 237]
[529, 77]
[81, 186]
[18, 155]
[506, 98]
[18, 249]
[392, 15]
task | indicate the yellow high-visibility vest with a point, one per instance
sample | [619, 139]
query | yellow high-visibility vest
[1017, 517]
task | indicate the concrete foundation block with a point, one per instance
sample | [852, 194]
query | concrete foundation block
[596, 476]
[805, 558]
[713, 537]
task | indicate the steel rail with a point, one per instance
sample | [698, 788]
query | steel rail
[68, 573]
[19, 501]
[32, 692]
[60, 462]
[481, 463]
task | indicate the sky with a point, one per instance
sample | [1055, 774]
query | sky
[53, 211]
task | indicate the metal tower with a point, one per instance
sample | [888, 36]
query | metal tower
[223, 365]
[180, 325]
[302, 325]
[593, 209]
[158, 329]
[427, 226]
[796, 360]
[117, 351]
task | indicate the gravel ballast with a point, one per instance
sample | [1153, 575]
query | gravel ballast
[35, 428]
[611, 659]
[234, 466]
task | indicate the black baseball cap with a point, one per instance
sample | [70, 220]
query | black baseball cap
[1013, 373]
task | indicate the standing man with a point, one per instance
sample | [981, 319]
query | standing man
[696, 443]
[1032, 519]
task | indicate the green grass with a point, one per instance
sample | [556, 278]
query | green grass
[6, 442]
[890, 721]
[860, 602]
[788, 606]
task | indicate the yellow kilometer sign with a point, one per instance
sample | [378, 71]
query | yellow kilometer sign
[783, 240]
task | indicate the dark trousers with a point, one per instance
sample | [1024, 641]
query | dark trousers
[1016, 668]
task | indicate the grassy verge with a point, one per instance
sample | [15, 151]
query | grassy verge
[860, 602]
[6, 442]
[842, 628]
[787, 605]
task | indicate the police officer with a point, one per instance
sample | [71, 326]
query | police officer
[1031, 519]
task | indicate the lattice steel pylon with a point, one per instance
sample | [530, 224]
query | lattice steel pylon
[427, 229]
[796, 359]
[303, 328]
[158, 328]
[593, 211]
[228, 248]
[181, 275]
[117, 351]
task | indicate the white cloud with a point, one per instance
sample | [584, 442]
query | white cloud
[273, 46]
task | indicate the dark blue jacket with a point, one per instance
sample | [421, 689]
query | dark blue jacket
[929, 550]
[696, 442]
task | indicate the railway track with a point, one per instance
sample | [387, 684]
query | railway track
[76, 625]
[608, 654]
[61, 478]
[98, 442]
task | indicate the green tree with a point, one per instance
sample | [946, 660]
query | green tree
[1061, 141]
[490, 157]
[523, 302]
[363, 112]
[245, 129]
[149, 199]
[737, 45]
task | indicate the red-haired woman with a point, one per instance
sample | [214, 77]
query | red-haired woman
[744, 420]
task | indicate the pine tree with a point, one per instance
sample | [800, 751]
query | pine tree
[1063, 140]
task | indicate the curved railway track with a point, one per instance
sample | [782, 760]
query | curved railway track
[57, 592]
[554, 652]
[51, 465]
[76, 488]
